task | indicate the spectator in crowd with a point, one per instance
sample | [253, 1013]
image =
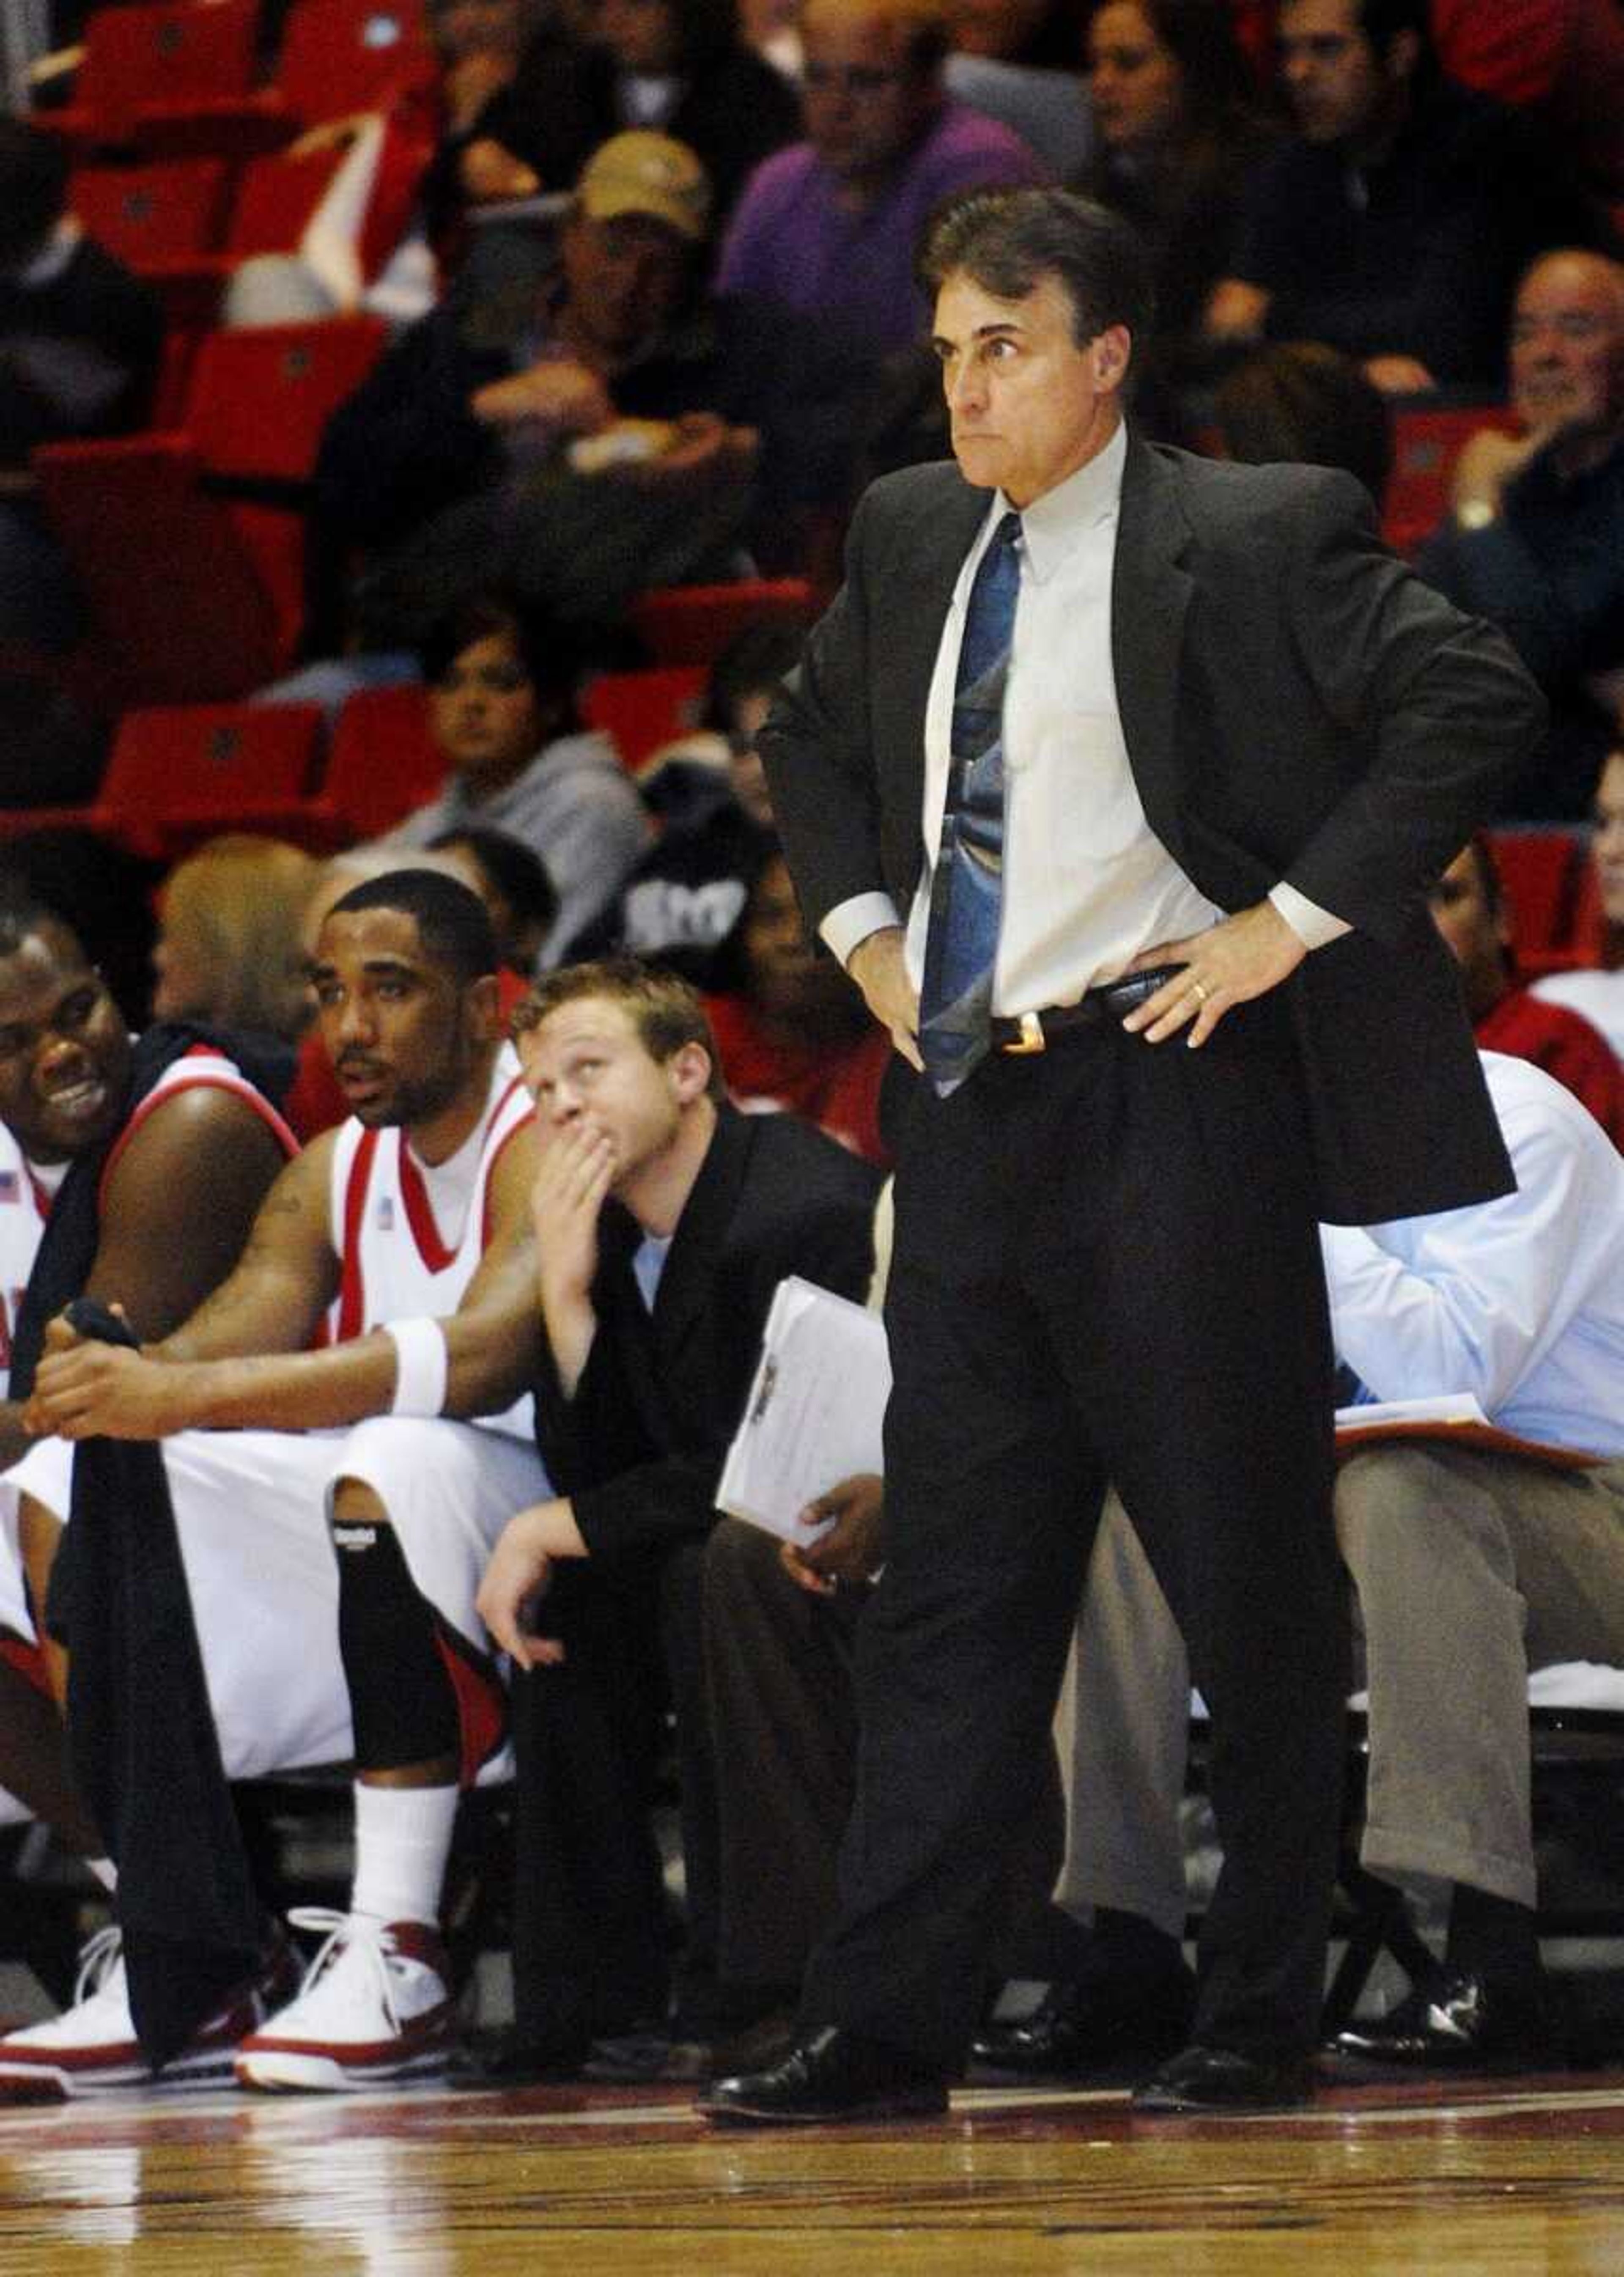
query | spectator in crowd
[1536, 545]
[484, 47]
[677, 66]
[514, 884]
[1179, 134]
[664, 1221]
[792, 1033]
[1300, 401]
[502, 709]
[1599, 995]
[80, 344]
[1392, 224]
[577, 445]
[1472, 1565]
[822, 240]
[1468, 908]
[230, 948]
[681, 906]
[1015, 61]
[1566, 357]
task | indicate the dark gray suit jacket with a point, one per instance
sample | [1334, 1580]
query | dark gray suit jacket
[1296, 705]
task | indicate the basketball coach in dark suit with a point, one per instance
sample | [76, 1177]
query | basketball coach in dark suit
[1136, 772]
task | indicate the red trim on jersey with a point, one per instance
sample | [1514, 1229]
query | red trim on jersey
[43, 1197]
[480, 1696]
[352, 1294]
[420, 1214]
[502, 1145]
[236, 1083]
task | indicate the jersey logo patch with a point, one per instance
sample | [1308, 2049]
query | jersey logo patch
[11, 1186]
[354, 1537]
[384, 1216]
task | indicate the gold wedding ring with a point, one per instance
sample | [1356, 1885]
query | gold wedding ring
[1200, 991]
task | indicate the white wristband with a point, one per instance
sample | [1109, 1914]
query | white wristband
[420, 1367]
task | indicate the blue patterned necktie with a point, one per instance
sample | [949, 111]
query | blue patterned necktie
[961, 942]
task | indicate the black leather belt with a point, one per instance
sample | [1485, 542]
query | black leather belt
[1034, 1032]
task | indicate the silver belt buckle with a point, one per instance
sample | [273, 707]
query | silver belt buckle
[1031, 1038]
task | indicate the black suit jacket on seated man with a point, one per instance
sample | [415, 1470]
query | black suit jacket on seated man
[1104, 1254]
[639, 1451]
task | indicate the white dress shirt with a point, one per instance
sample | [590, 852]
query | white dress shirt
[1086, 883]
[1520, 1300]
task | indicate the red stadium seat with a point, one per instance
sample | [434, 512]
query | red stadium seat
[338, 57]
[166, 222]
[180, 610]
[641, 711]
[139, 62]
[261, 398]
[197, 591]
[693, 624]
[383, 763]
[1587, 925]
[179, 776]
[1539, 871]
[1425, 446]
[151, 213]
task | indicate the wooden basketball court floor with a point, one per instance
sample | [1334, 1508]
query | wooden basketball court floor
[1485, 2179]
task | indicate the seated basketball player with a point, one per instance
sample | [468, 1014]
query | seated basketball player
[405, 1238]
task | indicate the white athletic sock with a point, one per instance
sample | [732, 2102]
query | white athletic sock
[402, 1837]
[105, 1872]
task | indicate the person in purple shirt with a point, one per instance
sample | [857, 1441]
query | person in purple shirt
[822, 241]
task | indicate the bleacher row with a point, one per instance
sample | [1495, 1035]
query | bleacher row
[188, 540]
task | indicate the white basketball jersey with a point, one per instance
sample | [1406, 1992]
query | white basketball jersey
[24, 1208]
[25, 1205]
[409, 1238]
[212, 1070]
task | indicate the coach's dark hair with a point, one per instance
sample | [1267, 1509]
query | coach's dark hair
[452, 923]
[665, 1011]
[1007, 241]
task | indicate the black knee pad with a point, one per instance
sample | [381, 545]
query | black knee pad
[402, 1702]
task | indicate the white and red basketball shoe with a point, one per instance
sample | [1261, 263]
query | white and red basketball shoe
[375, 2007]
[91, 2048]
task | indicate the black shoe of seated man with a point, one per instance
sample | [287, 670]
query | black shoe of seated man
[1460, 2020]
[1093, 2025]
[511, 2059]
[1214, 2081]
[830, 2074]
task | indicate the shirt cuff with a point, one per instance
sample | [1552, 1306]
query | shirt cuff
[849, 923]
[1313, 927]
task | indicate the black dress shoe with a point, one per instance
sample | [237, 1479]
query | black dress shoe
[832, 2075]
[1457, 2020]
[1202, 2079]
[1092, 2026]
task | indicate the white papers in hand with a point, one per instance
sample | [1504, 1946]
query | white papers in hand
[815, 1410]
